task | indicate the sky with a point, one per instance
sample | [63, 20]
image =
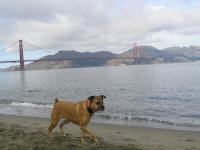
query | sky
[95, 25]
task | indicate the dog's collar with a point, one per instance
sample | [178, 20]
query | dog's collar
[89, 109]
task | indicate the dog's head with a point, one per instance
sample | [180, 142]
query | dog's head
[96, 103]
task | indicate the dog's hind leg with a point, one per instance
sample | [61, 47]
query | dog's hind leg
[54, 121]
[61, 126]
[53, 125]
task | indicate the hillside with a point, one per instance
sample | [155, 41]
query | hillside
[69, 63]
[193, 52]
[149, 55]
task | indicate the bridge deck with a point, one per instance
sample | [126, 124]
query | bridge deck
[61, 59]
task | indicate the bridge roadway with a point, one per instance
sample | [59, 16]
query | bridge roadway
[61, 59]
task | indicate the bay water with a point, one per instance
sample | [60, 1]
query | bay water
[161, 95]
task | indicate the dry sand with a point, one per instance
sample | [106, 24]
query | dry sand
[28, 133]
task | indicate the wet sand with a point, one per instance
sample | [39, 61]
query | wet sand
[29, 133]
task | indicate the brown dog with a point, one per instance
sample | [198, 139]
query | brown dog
[78, 113]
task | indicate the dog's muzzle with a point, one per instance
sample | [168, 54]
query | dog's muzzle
[101, 108]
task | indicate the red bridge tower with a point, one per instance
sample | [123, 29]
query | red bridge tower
[135, 53]
[21, 55]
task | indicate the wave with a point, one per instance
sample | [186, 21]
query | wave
[192, 116]
[104, 117]
[6, 101]
[169, 98]
[33, 91]
[25, 104]
[135, 119]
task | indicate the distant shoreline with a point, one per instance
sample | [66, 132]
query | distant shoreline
[6, 69]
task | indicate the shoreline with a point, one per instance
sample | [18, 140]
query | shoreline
[128, 124]
[127, 137]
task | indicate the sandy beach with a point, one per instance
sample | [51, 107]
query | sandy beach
[29, 133]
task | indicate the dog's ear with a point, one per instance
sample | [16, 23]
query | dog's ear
[91, 98]
[102, 96]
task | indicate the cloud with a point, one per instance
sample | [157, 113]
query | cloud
[103, 25]
[23, 9]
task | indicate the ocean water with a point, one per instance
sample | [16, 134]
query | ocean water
[161, 96]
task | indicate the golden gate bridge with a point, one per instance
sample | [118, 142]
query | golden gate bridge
[22, 60]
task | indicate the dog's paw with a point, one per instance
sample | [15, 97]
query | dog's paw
[83, 141]
[96, 141]
[51, 135]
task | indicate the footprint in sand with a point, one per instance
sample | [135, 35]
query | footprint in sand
[189, 140]
[36, 123]
[127, 139]
[2, 129]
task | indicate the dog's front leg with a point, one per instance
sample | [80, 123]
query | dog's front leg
[83, 134]
[85, 130]
[92, 135]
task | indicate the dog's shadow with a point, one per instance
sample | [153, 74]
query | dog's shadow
[69, 137]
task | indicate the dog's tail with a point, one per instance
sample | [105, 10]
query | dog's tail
[56, 101]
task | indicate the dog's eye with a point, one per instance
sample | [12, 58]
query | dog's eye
[97, 103]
